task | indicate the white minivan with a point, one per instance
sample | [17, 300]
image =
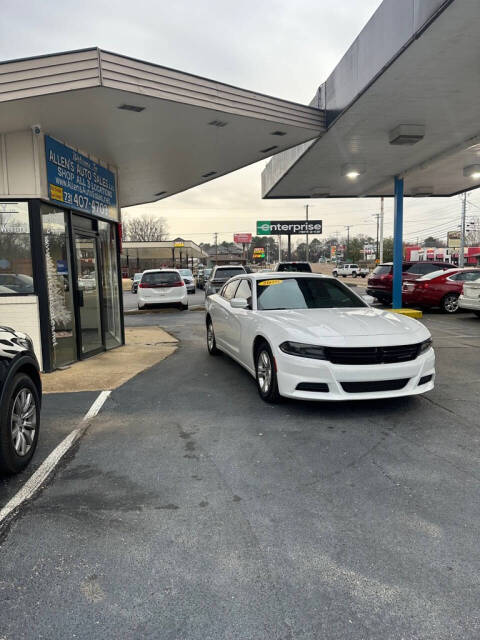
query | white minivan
[162, 286]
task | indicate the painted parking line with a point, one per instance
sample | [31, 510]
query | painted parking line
[41, 475]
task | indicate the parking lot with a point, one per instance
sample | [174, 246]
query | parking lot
[191, 509]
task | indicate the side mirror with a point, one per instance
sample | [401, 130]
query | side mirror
[238, 303]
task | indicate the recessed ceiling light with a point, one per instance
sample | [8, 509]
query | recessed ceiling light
[161, 193]
[210, 173]
[278, 133]
[275, 146]
[131, 107]
[353, 170]
[472, 171]
[218, 123]
[407, 134]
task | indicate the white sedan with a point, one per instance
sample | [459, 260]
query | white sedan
[308, 336]
[162, 287]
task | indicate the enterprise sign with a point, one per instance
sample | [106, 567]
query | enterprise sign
[288, 227]
[78, 182]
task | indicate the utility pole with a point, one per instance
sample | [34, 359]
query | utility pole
[377, 249]
[306, 218]
[348, 242]
[216, 248]
[382, 213]
[461, 255]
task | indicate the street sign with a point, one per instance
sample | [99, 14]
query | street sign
[259, 252]
[242, 238]
[454, 239]
[288, 227]
[78, 182]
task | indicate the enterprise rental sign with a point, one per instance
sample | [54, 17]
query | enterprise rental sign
[77, 182]
[288, 227]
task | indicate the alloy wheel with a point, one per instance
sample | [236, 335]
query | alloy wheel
[23, 421]
[210, 337]
[264, 371]
[450, 303]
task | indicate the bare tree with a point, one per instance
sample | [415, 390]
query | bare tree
[145, 229]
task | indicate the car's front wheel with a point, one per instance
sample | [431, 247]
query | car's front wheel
[354, 274]
[19, 424]
[450, 303]
[211, 342]
[266, 374]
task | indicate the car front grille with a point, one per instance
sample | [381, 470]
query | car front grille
[375, 385]
[372, 355]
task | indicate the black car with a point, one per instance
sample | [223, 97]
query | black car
[302, 267]
[20, 400]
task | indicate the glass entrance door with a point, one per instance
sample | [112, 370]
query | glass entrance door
[88, 294]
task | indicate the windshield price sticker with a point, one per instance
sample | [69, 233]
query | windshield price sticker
[79, 182]
[269, 283]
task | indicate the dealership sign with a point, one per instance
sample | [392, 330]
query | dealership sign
[242, 238]
[259, 252]
[79, 183]
[288, 227]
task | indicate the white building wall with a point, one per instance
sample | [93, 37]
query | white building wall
[21, 313]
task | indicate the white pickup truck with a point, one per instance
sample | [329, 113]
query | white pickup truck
[352, 270]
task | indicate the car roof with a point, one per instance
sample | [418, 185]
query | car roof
[160, 270]
[289, 274]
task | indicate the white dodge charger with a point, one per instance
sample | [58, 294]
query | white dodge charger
[308, 336]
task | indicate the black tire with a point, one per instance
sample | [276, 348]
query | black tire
[141, 308]
[211, 342]
[11, 461]
[449, 303]
[183, 307]
[334, 274]
[477, 313]
[267, 379]
[354, 274]
[364, 275]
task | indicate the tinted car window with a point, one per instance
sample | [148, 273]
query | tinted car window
[422, 267]
[465, 276]
[304, 293]
[160, 278]
[382, 270]
[228, 291]
[303, 267]
[186, 272]
[226, 274]
[244, 291]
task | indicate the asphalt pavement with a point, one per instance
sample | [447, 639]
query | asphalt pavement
[193, 510]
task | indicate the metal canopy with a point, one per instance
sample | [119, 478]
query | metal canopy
[175, 130]
[416, 62]
[162, 249]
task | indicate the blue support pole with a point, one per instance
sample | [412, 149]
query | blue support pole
[398, 245]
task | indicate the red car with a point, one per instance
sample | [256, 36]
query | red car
[380, 282]
[438, 289]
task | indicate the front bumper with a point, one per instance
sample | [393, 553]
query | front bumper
[293, 370]
[382, 294]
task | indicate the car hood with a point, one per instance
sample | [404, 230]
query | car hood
[313, 324]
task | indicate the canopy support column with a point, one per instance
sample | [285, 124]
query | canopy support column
[398, 245]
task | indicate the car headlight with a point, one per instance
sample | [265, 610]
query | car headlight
[303, 350]
[424, 346]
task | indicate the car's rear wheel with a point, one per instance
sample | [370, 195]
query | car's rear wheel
[19, 424]
[450, 303]
[211, 342]
[266, 374]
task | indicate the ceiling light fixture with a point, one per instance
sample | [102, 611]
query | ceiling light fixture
[353, 170]
[278, 133]
[275, 146]
[407, 134]
[210, 173]
[472, 171]
[422, 192]
[131, 107]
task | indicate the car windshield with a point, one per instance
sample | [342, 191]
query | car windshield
[186, 272]
[160, 277]
[226, 274]
[304, 293]
[303, 267]
[434, 274]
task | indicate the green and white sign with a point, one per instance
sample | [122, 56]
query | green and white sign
[288, 227]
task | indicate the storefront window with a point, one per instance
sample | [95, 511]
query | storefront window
[15, 251]
[59, 285]
[111, 298]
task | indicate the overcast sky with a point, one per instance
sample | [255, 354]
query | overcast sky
[285, 48]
